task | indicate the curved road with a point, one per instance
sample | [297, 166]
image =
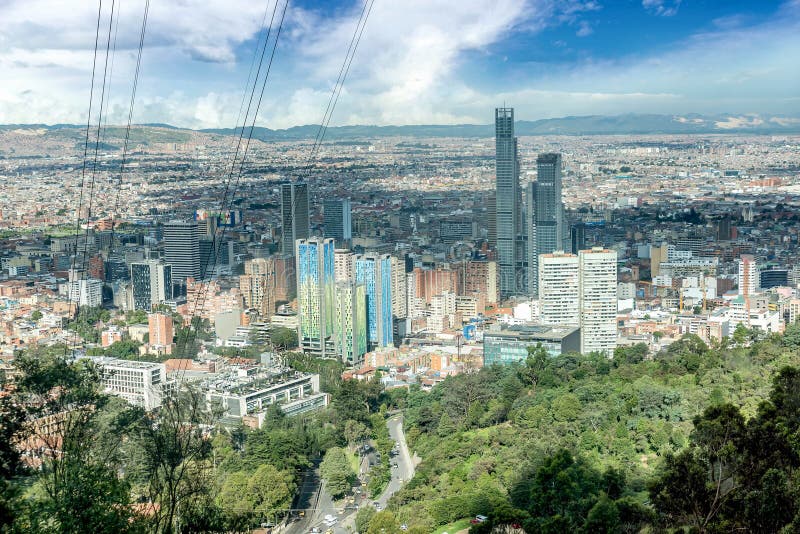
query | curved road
[324, 505]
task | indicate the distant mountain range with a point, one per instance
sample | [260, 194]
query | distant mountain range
[632, 123]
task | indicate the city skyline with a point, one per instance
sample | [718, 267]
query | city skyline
[557, 59]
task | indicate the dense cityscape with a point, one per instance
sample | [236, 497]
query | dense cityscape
[520, 267]
[402, 261]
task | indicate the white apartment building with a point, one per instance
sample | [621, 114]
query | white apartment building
[559, 291]
[87, 292]
[598, 300]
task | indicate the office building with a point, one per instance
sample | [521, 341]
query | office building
[577, 235]
[316, 287]
[258, 286]
[773, 278]
[140, 383]
[151, 284]
[351, 323]
[510, 344]
[182, 250]
[507, 199]
[338, 220]
[375, 272]
[748, 275]
[559, 289]
[294, 215]
[546, 228]
[241, 397]
[598, 300]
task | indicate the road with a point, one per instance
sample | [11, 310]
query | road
[405, 465]
[319, 503]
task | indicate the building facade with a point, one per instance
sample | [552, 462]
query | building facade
[351, 322]
[507, 199]
[151, 284]
[315, 295]
[294, 215]
[598, 300]
[375, 272]
[182, 250]
[338, 220]
[559, 289]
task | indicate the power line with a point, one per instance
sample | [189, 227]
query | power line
[200, 298]
[142, 34]
[85, 158]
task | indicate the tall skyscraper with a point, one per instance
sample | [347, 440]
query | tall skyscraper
[151, 284]
[316, 287]
[375, 272]
[399, 288]
[258, 286]
[350, 330]
[182, 250]
[507, 199]
[559, 289]
[545, 222]
[294, 215]
[338, 220]
[598, 300]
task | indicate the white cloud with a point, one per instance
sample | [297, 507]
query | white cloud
[664, 8]
[415, 64]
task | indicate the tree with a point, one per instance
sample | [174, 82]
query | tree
[271, 490]
[176, 451]
[336, 470]
[36, 315]
[384, 523]
[355, 432]
[283, 338]
[363, 517]
[602, 517]
[536, 365]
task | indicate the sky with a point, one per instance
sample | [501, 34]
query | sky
[418, 61]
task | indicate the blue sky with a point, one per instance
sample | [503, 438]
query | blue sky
[420, 61]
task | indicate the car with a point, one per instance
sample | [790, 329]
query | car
[328, 517]
[481, 518]
[315, 530]
[403, 527]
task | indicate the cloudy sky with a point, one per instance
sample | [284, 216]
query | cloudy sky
[419, 62]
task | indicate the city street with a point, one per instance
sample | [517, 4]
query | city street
[319, 503]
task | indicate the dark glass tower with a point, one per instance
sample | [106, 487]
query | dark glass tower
[507, 203]
[338, 220]
[294, 215]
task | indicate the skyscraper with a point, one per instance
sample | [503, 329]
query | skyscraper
[182, 250]
[546, 228]
[375, 272]
[577, 235]
[338, 220]
[294, 215]
[507, 199]
[598, 300]
[151, 284]
[350, 330]
[559, 289]
[315, 295]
